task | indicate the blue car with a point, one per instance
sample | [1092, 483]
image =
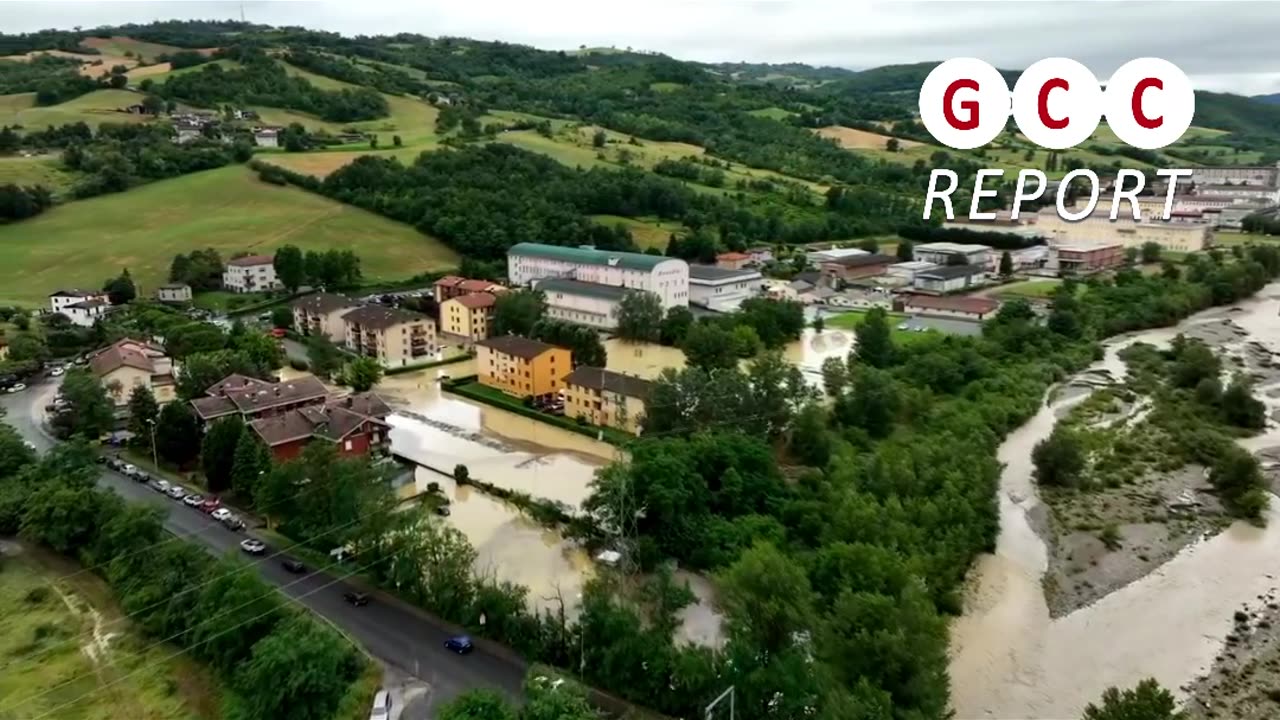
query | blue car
[460, 644]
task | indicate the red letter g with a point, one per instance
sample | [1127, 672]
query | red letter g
[970, 105]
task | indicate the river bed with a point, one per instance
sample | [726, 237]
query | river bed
[1009, 659]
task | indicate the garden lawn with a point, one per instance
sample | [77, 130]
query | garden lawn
[1030, 288]
[53, 668]
[852, 319]
[80, 244]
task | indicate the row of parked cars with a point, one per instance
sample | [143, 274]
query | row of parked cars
[210, 505]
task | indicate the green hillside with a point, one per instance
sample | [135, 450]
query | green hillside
[84, 242]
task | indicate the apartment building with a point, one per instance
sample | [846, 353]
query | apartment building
[252, 273]
[606, 398]
[82, 307]
[468, 316]
[394, 337]
[452, 286]
[668, 278]
[522, 367]
[1085, 258]
[128, 364]
[321, 314]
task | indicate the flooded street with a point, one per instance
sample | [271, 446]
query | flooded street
[1009, 659]
[648, 360]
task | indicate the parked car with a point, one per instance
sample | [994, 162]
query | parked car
[209, 504]
[177, 492]
[253, 546]
[56, 372]
[129, 469]
[231, 521]
[219, 514]
[294, 566]
[17, 387]
[161, 486]
[141, 476]
[460, 644]
[192, 500]
[358, 599]
[381, 706]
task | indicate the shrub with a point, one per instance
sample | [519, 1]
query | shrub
[36, 595]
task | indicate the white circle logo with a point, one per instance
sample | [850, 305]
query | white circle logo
[964, 103]
[1149, 103]
[1057, 103]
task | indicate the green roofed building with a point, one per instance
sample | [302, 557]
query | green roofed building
[668, 278]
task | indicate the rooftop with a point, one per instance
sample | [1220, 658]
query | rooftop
[476, 285]
[977, 305]
[448, 281]
[175, 286]
[733, 256]
[952, 247]
[324, 303]
[950, 272]
[862, 260]
[475, 300]
[577, 287]
[125, 353]
[711, 273]
[251, 260]
[76, 293]
[516, 346]
[256, 399]
[234, 383]
[381, 317]
[913, 265]
[88, 304]
[588, 256]
[601, 379]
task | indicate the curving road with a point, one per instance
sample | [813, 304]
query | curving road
[406, 639]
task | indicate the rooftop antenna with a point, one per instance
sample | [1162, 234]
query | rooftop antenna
[241, 10]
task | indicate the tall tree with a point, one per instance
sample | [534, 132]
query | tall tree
[299, 671]
[708, 345]
[89, 411]
[251, 461]
[875, 339]
[766, 599]
[218, 451]
[362, 374]
[477, 705]
[1006, 264]
[676, 325]
[178, 434]
[515, 313]
[640, 316]
[143, 412]
[1059, 458]
[290, 267]
[1147, 701]
[120, 289]
[323, 357]
[906, 251]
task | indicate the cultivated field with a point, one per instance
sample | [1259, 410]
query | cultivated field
[647, 232]
[853, 139]
[43, 170]
[118, 46]
[320, 164]
[66, 655]
[162, 71]
[93, 108]
[83, 243]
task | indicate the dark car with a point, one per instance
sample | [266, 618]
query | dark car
[460, 644]
[294, 566]
[358, 599]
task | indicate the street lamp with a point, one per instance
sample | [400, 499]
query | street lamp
[155, 460]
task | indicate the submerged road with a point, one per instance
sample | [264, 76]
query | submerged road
[409, 641]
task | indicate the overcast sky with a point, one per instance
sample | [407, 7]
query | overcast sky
[1229, 46]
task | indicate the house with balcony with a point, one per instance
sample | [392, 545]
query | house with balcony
[128, 364]
[321, 314]
[251, 273]
[468, 316]
[392, 336]
[606, 398]
[522, 367]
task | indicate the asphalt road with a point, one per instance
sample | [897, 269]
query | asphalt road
[407, 640]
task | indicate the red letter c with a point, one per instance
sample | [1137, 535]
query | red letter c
[1043, 104]
[1139, 116]
[970, 105]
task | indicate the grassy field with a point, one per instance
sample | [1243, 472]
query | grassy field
[775, 113]
[647, 232]
[854, 139]
[161, 72]
[43, 170]
[93, 108]
[852, 319]
[83, 243]
[119, 45]
[55, 641]
[1030, 288]
[320, 164]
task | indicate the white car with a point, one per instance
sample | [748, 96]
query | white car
[381, 706]
[129, 469]
[220, 514]
[192, 500]
[56, 372]
[17, 387]
[904, 326]
[161, 486]
[177, 492]
[252, 546]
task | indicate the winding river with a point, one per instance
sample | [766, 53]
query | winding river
[1009, 659]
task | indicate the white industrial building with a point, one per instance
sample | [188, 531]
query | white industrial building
[818, 257]
[941, 253]
[906, 271]
[949, 278]
[583, 303]
[1266, 176]
[722, 290]
[668, 278]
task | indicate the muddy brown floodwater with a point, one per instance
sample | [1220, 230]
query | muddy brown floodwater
[1009, 659]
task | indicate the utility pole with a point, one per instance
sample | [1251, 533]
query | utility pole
[155, 457]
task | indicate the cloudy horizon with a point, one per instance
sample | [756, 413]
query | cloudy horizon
[1222, 46]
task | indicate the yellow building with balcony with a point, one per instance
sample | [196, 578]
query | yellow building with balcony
[606, 398]
[522, 367]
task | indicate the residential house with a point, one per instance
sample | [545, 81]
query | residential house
[949, 253]
[965, 308]
[86, 312]
[760, 254]
[468, 316]
[1084, 258]
[948, 278]
[854, 267]
[252, 273]
[522, 367]
[62, 298]
[722, 289]
[252, 398]
[266, 137]
[584, 303]
[452, 286]
[394, 337]
[128, 364]
[668, 278]
[321, 314]
[174, 293]
[606, 398]
[355, 425]
[732, 260]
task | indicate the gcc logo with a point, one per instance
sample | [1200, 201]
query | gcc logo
[1057, 103]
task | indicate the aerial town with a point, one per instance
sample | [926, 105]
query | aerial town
[389, 376]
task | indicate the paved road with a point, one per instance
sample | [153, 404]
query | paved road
[404, 638]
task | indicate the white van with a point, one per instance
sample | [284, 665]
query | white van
[381, 706]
